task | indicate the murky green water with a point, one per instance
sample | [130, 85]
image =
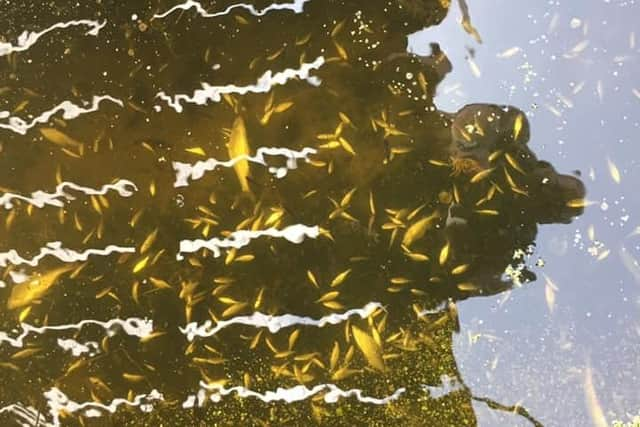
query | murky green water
[274, 214]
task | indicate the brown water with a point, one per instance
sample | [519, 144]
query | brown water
[274, 214]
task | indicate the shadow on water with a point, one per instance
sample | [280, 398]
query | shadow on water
[394, 212]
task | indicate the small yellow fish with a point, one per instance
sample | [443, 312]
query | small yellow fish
[335, 355]
[196, 150]
[517, 126]
[339, 278]
[369, 347]
[282, 107]
[333, 305]
[579, 203]
[444, 254]
[234, 309]
[328, 296]
[312, 278]
[417, 230]
[24, 293]
[614, 171]
[550, 290]
[337, 28]
[140, 265]
[238, 146]
[134, 378]
[342, 52]
[481, 175]
[593, 404]
[148, 241]
[460, 269]
[60, 138]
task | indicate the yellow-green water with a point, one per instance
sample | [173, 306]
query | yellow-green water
[360, 237]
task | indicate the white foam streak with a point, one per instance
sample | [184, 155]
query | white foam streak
[63, 254]
[436, 310]
[275, 323]
[263, 85]
[77, 348]
[59, 403]
[296, 6]
[449, 385]
[195, 171]
[29, 38]
[133, 326]
[40, 198]
[68, 108]
[238, 239]
[30, 415]
[294, 394]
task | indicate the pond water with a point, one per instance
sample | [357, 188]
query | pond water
[319, 213]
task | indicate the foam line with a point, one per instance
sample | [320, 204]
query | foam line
[59, 403]
[275, 323]
[63, 254]
[449, 385]
[68, 108]
[263, 85]
[296, 6]
[133, 326]
[77, 348]
[238, 239]
[293, 394]
[28, 414]
[40, 198]
[29, 38]
[195, 171]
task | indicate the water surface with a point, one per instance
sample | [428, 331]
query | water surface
[333, 213]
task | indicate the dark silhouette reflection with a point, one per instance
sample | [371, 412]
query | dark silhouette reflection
[416, 209]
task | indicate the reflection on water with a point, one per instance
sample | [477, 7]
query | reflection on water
[269, 222]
